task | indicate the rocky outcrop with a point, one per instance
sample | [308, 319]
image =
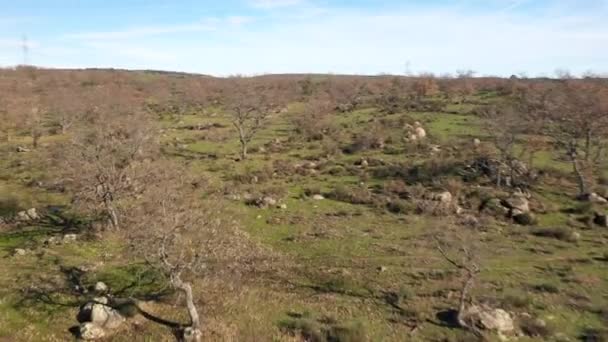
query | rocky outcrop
[98, 319]
[486, 318]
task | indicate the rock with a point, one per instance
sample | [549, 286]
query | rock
[282, 206]
[470, 221]
[382, 269]
[524, 219]
[53, 240]
[32, 214]
[595, 198]
[364, 163]
[101, 314]
[67, 238]
[191, 335]
[444, 197]
[269, 201]
[91, 331]
[575, 236]
[101, 287]
[476, 142]
[106, 317]
[413, 137]
[486, 318]
[318, 197]
[420, 133]
[22, 149]
[435, 148]
[19, 252]
[494, 207]
[601, 219]
[517, 204]
[28, 215]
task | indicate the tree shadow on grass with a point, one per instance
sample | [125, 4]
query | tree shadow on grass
[51, 295]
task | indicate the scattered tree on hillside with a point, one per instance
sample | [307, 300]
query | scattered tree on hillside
[186, 239]
[250, 107]
[315, 121]
[460, 253]
[425, 85]
[578, 116]
[106, 163]
[506, 124]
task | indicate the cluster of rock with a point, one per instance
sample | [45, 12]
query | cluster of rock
[98, 318]
[53, 240]
[516, 207]
[515, 174]
[441, 203]
[415, 132]
[27, 215]
[263, 202]
[600, 214]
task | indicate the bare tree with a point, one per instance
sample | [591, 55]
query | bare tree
[506, 124]
[578, 113]
[183, 237]
[107, 160]
[314, 122]
[250, 107]
[464, 259]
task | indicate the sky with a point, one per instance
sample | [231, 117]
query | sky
[247, 37]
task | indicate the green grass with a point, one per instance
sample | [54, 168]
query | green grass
[338, 260]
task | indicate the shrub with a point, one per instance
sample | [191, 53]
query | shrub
[342, 333]
[354, 195]
[559, 233]
[400, 207]
[525, 219]
[546, 288]
[594, 335]
[516, 301]
[308, 329]
[535, 328]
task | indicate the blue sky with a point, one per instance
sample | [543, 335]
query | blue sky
[492, 37]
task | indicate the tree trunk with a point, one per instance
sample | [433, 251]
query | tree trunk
[243, 150]
[464, 295]
[582, 187]
[112, 215]
[587, 144]
[194, 333]
[35, 138]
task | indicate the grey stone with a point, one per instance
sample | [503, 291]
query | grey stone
[90, 331]
[101, 287]
[487, 318]
[67, 238]
[19, 252]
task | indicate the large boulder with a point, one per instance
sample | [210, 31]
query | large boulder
[487, 318]
[594, 198]
[443, 197]
[420, 133]
[100, 287]
[90, 331]
[517, 204]
[101, 313]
